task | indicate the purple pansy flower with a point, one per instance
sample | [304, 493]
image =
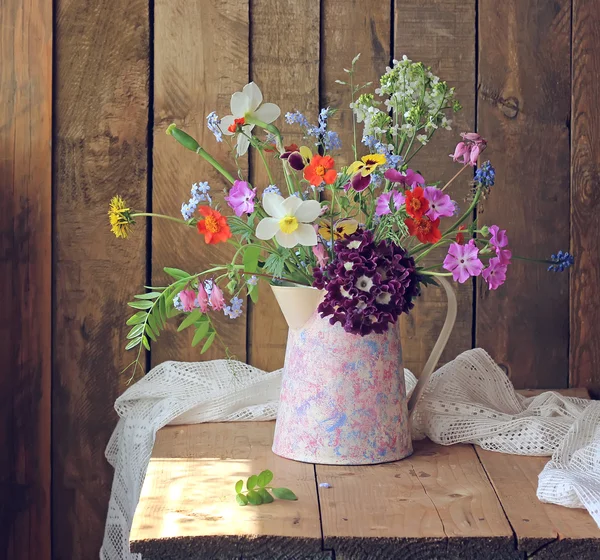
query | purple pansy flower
[440, 204]
[463, 261]
[241, 198]
[383, 202]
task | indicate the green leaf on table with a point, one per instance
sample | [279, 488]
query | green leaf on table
[201, 332]
[241, 499]
[176, 273]
[254, 498]
[264, 478]
[251, 482]
[139, 317]
[190, 320]
[239, 485]
[283, 494]
[143, 304]
[149, 295]
[264, 494]
[209, 341]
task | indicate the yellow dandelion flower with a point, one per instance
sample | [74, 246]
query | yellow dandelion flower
[120, 217]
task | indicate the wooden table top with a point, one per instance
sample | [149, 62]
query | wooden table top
[442, 502]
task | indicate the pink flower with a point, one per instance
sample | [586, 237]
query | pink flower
[495, 273]
[504, 256]
[499, 238]
[321, 253]
[469, 149]
[440, 204]
[409, 179]
[202, 298]
[383, 202]
[463, 261]
[188, 299]
[217, 301]
[241, 198]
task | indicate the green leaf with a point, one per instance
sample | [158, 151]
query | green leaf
[150, 333]
[153, 323]
[208, 343]
[201, 332]
[176, 273]
[251, 482]
[253, 293]
[241, 499]
[264, 478]
[139, 317]
[283, 494]
[190, 320]
[136, 331]
[239, 485]
[140, 304]
[133, 343]
[275, 264]
[149, 295]
[145, 343]
[250, 259]
[254, 498]
[264, 494]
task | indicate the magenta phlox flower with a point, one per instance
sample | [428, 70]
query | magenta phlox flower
[383, 202]
[241, 198]
[408, 179]
[440, 204]
[495, 273]
[463, 261]
[498, 238]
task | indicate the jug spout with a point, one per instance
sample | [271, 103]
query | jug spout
[297, 303]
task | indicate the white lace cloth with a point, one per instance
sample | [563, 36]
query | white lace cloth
[469, 400]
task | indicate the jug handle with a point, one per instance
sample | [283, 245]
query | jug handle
[438, 347]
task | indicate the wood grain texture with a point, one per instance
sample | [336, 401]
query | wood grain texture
[190, 83]
[585, 197]
[285, 65]
[365, 29]
[523, 111]
[446, 32]
[25, 270]
[439, 494]
[101, 108]
[188, 494]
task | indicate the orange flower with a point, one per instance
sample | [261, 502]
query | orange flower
[319, 170]
[460, 237]
[425, 230]
[236, 122]
[416, 203]
[214, 227]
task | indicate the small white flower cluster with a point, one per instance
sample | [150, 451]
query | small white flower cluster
[415, 104]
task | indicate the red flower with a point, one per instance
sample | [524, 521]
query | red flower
[416, 203]
[319, 170]
[214, 227]
[236, 122]
[425, 230]
[460, 237]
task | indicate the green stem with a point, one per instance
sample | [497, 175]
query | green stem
[152, 215]
[455, 176]
[264, 160]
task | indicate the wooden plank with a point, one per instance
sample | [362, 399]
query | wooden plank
[188, 499]
[101, 109]
[190, 82]
[524, 104]
[542, 530]
[585, 173]
[365, 29]
[438, 501]
[285, 65]
[562, 532]
[446, 29]
[25, 269]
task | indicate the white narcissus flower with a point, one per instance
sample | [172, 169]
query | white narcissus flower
[290, 221]
[244, 104]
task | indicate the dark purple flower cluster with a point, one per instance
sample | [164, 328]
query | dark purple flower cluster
[368, 285]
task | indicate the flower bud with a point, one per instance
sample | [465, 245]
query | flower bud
[183, 138]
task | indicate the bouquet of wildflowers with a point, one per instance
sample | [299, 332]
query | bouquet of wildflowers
[358, 232]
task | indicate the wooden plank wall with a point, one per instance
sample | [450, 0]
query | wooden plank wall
[123, 70]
